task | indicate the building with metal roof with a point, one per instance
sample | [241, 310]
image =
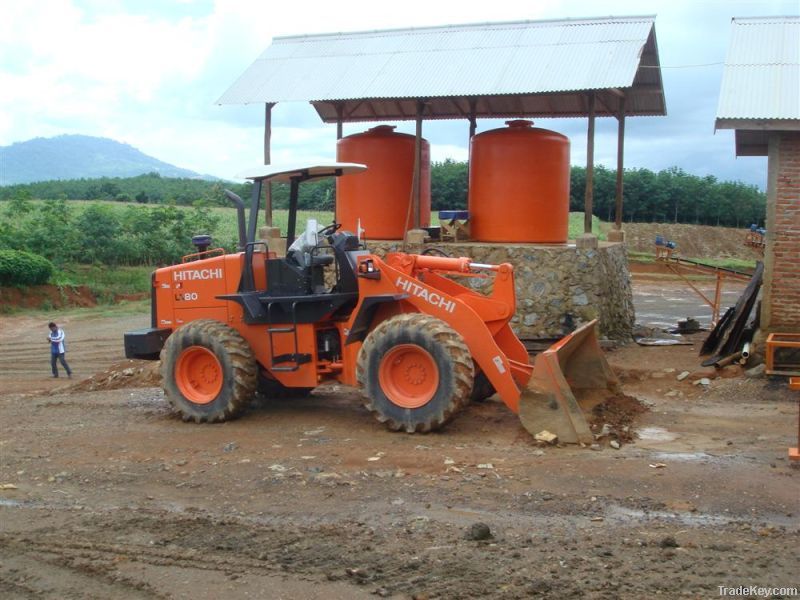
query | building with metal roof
[555, 68]
[760, 100]
[761, 81]
[524, 68]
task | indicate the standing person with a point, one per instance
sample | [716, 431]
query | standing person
[57, 349]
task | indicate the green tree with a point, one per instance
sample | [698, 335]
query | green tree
[100, 240]
[51, 232]
[449, 181]
[20, 203]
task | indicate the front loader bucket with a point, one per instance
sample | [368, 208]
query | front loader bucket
[569, 379]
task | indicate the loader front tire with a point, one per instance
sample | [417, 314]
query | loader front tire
[482, 389]
[209, 372]
[416, 372]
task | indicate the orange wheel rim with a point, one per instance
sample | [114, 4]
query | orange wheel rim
[408, 376]
[198, 374]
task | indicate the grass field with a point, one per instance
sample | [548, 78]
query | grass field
[736, 264]
[110, 282]
[105, 282]
[228, 227]
[227, 231]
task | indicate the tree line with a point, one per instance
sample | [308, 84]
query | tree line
[102, 233]
[671, 195]
[668, 196]
[152, 188]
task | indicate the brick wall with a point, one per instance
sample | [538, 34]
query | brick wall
[782, 260]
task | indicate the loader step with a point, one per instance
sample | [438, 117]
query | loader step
[298, 359]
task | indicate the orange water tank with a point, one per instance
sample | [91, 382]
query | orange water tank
[519, 185]
[381, 196]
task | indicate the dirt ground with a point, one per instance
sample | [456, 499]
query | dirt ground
[694, 241]
[105, 494]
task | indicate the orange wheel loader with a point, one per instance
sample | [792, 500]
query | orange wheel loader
[419, 344]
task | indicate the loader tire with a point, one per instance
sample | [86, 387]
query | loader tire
[209, 372]
[482, 388]
[415, 371]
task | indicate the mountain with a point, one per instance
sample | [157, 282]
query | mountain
[77, 156]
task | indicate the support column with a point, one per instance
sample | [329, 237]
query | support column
[780, 311]
[473, 126]
[417, 167]
[616, 234]
[473, 122]
[588, 239]
[339, 113]
[416, 235]
[773, 158]
[268, 160]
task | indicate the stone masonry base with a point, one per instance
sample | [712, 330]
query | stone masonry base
[558, 286]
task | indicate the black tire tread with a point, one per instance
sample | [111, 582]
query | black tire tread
[453, 344]
[243, 365]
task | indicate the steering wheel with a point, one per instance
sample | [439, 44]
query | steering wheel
[329, 230]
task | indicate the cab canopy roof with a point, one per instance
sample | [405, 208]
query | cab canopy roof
[513, 69]
[284, 173]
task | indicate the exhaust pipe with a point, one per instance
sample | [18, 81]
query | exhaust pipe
[239, 203]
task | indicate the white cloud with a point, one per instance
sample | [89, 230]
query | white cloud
[148, 73]
[73, 72]
[440, 152]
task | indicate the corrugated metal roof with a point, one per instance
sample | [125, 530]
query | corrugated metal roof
[761, 78]
[372, 75]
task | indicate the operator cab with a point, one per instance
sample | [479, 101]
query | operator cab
[296, 289]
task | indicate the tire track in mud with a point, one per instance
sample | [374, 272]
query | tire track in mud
[237, 545]
[99, 551]
[411, 553]
[28, 573]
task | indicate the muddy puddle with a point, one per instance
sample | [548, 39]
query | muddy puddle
[659, 307]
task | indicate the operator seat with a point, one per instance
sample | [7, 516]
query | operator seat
[346, 246]
[307, 260]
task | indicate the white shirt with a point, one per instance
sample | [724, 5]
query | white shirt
[57, 341]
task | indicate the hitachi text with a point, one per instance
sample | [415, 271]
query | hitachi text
[429, 296]
[192, 274]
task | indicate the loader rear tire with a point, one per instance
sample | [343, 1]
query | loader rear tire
[416, 372]
[209, 372]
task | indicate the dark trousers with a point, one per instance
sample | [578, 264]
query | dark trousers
[59, 357]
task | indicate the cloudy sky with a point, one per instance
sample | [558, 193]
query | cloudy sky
[148, 73]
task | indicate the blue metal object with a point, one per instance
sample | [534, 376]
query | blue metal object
[660, 241]
[449, 215]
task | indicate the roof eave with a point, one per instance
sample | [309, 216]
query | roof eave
[757, 124]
